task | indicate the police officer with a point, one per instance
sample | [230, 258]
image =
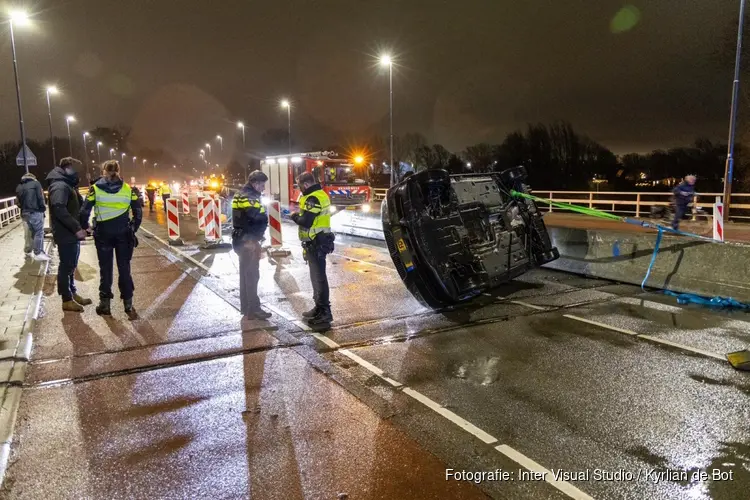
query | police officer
[250, 220]
[151, 194]
[314, 221]
[166, 193]
[114, 234]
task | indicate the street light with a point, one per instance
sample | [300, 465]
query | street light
[98, 154]
[20, 18]
[385, 60]
[242, 126]
[122, 159]
[286, 104]
[86, 156]
[111, 153]
[134, 158]
[729, 167]
[68, 119]
[50, 91]
[221, 142]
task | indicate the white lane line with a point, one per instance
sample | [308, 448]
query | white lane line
[529, 464]
[350, 258]
[601, 325]
[366, 364]
[526, 304]
[650, 338]
[684, 347]
[177, 251]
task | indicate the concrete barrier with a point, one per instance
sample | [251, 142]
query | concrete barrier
[683, 264]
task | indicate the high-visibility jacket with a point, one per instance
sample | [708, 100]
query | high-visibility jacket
[165, 189]
[322, 212]
[108, 206]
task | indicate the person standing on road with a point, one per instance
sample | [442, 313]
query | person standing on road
[249, 222]
[67, 233]
[31, 202]
[166, 193]
[151, 194]
[112, 201]
[683, 197]
[314, 221]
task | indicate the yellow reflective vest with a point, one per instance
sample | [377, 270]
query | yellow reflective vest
[108, 206]
[322, 222]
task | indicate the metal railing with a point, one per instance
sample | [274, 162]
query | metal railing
[640, 203]
[9, 211]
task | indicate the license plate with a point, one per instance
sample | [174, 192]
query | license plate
[351, 208]
[401, 245]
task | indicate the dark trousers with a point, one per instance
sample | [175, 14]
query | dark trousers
[316, 260]
[108, 247]
[249, 253]
[69, 252]
[164, 198]
[679, 213]
[151, 200]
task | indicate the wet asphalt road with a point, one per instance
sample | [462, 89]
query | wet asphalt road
[190, 401]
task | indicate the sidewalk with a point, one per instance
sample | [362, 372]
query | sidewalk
[20, 292]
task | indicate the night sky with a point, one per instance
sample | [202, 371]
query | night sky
[181, 71]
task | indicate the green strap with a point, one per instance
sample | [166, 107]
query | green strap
[567, 206]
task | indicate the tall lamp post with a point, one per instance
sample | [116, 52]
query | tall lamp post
[20, 18]
[86, 156]
[50, 91]
[221, 142]
[111, 153]
[385, 60]
[68, 119]
[286, 104]
[728, 169]
[98, 153]
[247, 167]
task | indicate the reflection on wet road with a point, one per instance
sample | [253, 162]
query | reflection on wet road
[598, 389]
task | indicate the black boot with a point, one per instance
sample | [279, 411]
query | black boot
[129, 309]
[322, 319]
[103, 308]
[311, 313]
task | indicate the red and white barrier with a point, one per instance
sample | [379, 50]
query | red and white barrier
[201, 213]
[274, 230]
[718, 220]
[185, 203]
[173, 222]
[212, 227]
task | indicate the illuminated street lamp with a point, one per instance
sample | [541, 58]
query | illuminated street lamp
[221, 142]
[98, 154]
[86, 156]
[286, 104]
[208, 146]
[122, 159]
[19, 18]
[111, 153]
[242, 126]
[68, 119]
[50, 91]
[385, 60]
[134, 158]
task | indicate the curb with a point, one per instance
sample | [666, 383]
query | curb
[11, 389]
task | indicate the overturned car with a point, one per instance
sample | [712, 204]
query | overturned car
[452, 237]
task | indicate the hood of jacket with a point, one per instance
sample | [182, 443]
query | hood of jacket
[251, 191]
[109, 186]
[28, 177]
[311, 189]
[58, 175]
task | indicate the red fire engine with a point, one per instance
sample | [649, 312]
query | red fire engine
[338, 177]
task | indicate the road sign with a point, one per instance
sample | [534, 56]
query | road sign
[30, 158]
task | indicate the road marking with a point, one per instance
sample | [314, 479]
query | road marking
[366, 364]
[601, 325]
[684, 347]
[529, 464]
[526, 304]
[177, 251]
[650, 338]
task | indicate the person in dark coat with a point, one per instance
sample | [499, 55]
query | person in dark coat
[31, 202]
[683, 197]
[67, 233]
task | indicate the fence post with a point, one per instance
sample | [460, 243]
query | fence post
[718, 219]
[591, 200]
[550, 199]
[638, 205]
[173, 223]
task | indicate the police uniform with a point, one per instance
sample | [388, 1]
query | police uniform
[166, 193]
[314, 221]
[249, 222]
[114, 236]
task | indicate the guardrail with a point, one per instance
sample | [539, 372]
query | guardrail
[9, 211]
[638, 203]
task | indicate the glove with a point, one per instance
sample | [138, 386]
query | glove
[295, 216]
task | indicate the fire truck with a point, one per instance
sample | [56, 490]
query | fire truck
[339, 178]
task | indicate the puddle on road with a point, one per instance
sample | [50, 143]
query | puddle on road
[481, 371]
